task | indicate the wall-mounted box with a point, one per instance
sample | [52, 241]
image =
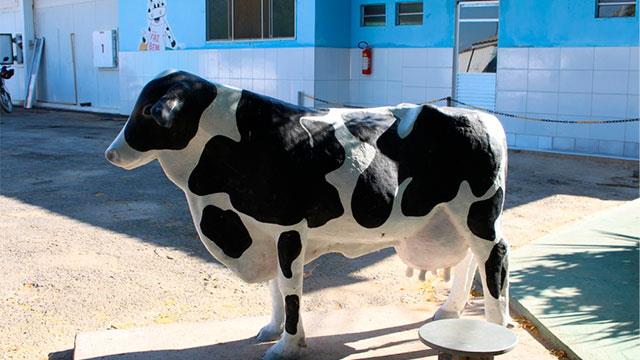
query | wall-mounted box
[105, 49]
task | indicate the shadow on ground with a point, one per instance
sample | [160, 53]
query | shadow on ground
[577, 288]
[54, 160]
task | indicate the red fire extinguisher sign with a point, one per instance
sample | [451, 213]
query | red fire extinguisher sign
[367, 58]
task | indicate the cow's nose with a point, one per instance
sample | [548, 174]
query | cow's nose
[111, 155]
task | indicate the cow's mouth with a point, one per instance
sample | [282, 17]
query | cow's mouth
[156, 19]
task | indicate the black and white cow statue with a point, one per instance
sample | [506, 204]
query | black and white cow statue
[272, 186]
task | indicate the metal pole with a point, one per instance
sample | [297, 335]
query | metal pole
[300, 98]
[449, 102]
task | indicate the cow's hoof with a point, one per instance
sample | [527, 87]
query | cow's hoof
[283, 351]
[269, 333]
[443, 314]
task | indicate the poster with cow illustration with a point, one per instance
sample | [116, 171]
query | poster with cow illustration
[158, 35]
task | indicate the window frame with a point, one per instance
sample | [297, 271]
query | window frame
[600, 4]
[363, 16]
[231, 30]
[398, 15]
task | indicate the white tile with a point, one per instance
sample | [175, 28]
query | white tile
[355, 65]
[611, 106]
[354, 92]
[610, 82]
[258, 86]
[511, 139]
[515, 80]
[412, 94]
[296, 67]
[513, 58]
[270, 88]
[394, 64]
[545, 143]
[574, 104]
[526, 141]
[634, 79]
[247, 84]
[564, 143]
[632, 106]
[439, 77]
[414, 57]
[542, 102]
[631, 150]
[634, 53]
[270, 64]
[213, 70]
[246, 63]
[434, 93]
[577, 81]
[513, 125]
[544, 58]
[308, 63]
[612, 58]
[632, 131]
[607, 147]
[573, 130]
[414, 76]
[511, 101]
[612, 132]
[539, 127]
[543, 80]
[343, 91]
[586, 146]
[394, 92]
[440, 57]
[576, 58]
[283, 89]
[258, 63]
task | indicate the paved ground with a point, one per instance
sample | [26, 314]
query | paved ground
[580, 284]
[385, 332]
[86, 246]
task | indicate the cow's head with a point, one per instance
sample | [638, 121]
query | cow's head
[156, 10]
[165, 117]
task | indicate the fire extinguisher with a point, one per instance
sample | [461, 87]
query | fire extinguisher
[367, 57]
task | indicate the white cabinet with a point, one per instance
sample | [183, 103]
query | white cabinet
[105, 53]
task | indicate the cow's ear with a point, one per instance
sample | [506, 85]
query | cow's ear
[165, 111]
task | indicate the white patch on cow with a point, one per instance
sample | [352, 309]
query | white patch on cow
[407, 114]
[120, 154]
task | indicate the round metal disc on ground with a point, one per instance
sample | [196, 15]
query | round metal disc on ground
[463, 337]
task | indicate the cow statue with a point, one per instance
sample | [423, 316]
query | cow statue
[272, 186]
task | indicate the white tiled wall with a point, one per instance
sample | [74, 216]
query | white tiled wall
[401, 75]
[570, 84]
[280, 73]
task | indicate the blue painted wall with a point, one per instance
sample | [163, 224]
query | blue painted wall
[187, 19]
[333, 23]
[437, 29]
[555, 23]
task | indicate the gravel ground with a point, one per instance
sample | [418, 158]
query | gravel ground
[87, 246]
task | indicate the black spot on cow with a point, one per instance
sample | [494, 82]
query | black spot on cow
[226, 230]
[276, 173]
[483, 215]
[438, 154]
[372, 198]
[167, 113]
[289, 248]
[173, 42]
[292, 313]
[496, 268]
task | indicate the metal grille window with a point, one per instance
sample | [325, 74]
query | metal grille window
[250, 19]
[409, 13]
[373, 15]
[615, 8]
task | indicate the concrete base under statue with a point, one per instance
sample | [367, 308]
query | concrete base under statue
[389, 332]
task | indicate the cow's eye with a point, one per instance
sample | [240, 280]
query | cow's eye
[146, 111]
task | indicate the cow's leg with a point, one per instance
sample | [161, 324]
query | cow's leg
[290, 277]
[273, 330]
[462, 279]
[493, 264]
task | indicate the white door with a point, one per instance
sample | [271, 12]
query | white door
[476, 53]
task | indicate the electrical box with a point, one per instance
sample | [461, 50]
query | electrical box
[105, 51]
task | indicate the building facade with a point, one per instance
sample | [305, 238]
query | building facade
[552, 59]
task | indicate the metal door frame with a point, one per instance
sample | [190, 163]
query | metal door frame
[456, 41]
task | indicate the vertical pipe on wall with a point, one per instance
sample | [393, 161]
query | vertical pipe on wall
[456, 27]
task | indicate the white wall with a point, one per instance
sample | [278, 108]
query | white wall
[56, 20]
[279, 73]
[11, 21]
[570, 84]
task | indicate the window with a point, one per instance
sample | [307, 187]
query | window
[409, 13]
[373, 15]
[250, 19]
[615, 8]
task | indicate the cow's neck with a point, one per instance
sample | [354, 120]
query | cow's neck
[218, 119]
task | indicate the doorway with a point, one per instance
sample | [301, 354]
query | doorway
[476, 53]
